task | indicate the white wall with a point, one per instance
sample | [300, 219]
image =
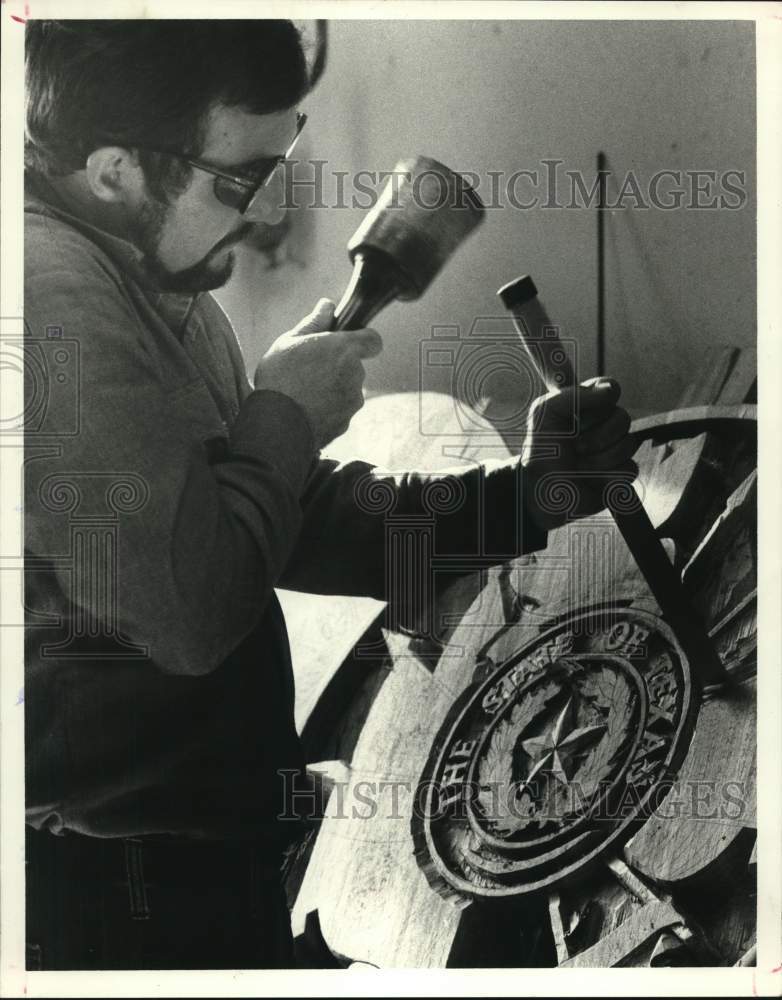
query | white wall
[483, 96]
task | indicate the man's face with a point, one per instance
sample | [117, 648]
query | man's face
[188, 242]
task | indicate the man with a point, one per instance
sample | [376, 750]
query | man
[168, 496]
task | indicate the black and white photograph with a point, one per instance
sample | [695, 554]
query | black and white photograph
[390, 420]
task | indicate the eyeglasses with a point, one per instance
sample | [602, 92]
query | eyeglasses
[232, 190]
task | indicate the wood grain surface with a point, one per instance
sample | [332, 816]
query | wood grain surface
[714, 796]
[372, 900]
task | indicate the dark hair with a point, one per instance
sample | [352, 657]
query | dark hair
[128, 82]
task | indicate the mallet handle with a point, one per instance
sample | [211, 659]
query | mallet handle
[373, 284]
[540, 338]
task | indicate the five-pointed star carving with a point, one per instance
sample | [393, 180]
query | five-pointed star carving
[556, 747]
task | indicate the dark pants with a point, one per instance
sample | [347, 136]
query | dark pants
[148, 903]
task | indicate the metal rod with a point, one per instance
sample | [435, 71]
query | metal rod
[601, 203]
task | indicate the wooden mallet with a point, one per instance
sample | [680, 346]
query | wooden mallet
[423, 214]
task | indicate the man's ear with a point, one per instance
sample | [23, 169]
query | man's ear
[113, 174]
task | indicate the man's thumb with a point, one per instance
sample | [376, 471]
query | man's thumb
[319, 320]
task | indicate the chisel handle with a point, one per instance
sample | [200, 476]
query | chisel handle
[541, 339]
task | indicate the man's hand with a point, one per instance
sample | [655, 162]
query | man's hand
[572, 483]
[321, 370]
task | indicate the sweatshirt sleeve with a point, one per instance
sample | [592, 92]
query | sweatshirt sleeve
[202, 533]
[373, 533]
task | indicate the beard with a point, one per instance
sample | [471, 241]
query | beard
[203, 276]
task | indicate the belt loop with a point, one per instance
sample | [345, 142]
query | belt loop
[137, 888]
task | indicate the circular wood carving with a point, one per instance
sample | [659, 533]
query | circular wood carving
[557, 755]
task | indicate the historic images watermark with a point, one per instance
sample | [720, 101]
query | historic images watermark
[548, 184]
[493, 380]
[49, 367]
[507, 806]
[84, 507]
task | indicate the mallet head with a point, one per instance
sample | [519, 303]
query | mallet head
[422, 215]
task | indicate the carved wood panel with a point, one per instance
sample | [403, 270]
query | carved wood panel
[560, 678]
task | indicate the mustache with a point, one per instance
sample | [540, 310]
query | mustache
[230, 239]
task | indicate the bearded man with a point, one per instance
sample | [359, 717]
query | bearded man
[167, 495]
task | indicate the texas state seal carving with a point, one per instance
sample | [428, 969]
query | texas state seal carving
[557, 756]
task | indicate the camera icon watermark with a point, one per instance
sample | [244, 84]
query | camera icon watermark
[49, 368]
[492, 377]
